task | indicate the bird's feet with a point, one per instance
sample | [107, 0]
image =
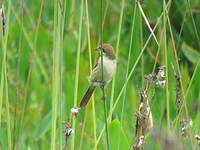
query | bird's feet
[99, 83]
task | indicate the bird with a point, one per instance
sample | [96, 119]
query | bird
[95, 78]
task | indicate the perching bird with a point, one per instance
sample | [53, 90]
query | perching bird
[109, 67]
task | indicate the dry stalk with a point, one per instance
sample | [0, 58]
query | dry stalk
[185, 124]
[144, 122]
[179, 100]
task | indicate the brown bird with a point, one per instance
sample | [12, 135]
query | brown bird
[109, 67]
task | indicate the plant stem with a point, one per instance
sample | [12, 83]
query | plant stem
[90, 63]
[77, 73]
[117, 51]
[166, 65]
[56, 71]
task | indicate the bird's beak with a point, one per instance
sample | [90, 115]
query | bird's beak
[98, 48]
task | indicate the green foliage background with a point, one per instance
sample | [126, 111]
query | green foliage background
[39, 74]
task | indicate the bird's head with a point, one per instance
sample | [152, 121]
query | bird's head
[107, 50]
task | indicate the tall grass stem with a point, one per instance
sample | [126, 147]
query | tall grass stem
[77, 72]
[90, 65]
[117, 52]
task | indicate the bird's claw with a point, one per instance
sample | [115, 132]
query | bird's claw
[99, 83]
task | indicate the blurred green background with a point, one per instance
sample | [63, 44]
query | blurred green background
[43, 71]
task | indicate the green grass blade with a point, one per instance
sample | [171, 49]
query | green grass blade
[56, 71]
[77, 73]
[90, 63]
[117, 51]
[166, 65]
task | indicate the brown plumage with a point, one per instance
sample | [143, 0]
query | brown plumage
[87, 96]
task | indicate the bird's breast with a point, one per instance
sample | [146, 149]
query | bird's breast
[109, 67]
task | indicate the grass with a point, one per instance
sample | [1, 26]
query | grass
[117, 52]
[77, 71]
[90, 66]
[48, 51]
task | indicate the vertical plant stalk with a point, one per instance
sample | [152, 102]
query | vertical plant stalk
[159, 46]
[3, 59]
[166, 64]
[127, 69]
[142, 42]
[184, 106]
[4, 83]
[179, 99]
[117, 51]
[181, 84]
[71, 16]
[192, 79]
[15, 128]
[102, 79]
[8, 112]
[56, 71]
[177, 63]
[77, 72]
[61, 102]
[90, 63]
[128, 64]
[193, 22]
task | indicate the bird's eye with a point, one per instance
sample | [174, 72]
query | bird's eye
[102, 49]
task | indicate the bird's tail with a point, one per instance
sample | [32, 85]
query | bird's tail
[87, 96]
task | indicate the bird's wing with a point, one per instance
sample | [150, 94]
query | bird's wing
[87, 96]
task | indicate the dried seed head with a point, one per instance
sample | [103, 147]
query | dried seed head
[161, 72]
[179, 100]
[139, 143]
[75, 111]
[185, 126]
[197, 137]
[160, 77]
[67, 129]
[144, 122]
